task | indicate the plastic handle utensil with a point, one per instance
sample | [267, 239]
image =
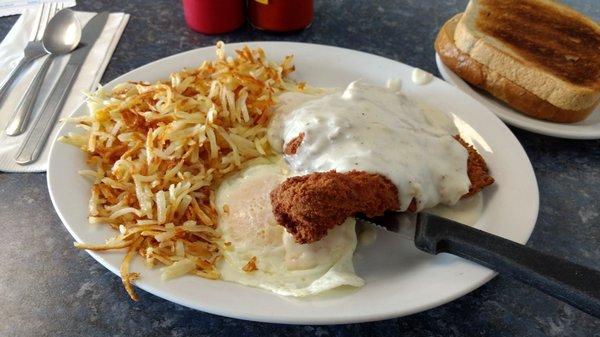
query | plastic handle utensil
[564, 280]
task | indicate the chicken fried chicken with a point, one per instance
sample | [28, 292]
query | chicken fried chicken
[308, 206]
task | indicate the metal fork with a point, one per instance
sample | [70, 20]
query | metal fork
[34, 48]
[20, 117]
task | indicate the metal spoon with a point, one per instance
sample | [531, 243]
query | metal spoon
[62, 35]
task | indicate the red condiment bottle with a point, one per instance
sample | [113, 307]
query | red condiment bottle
[281, 15]
[214, 16]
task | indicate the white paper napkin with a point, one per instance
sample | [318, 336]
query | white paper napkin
[11, 50]
[12, 7]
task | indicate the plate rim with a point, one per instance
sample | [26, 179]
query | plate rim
[531, 124]
[230, 312]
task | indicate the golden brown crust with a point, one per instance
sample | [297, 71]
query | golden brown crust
[477, 169]
[309, 206]
[514, 95]
[250, 266]
[292, 146]
[549, 36]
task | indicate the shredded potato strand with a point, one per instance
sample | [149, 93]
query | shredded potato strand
[157, 152]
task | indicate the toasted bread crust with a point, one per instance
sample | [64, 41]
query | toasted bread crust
[545, 35]
[499, 86]
[504, 56]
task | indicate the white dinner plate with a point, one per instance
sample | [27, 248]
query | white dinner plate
[400, 280]
[589, 128]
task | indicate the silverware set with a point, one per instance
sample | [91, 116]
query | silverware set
[34, 49]
[57, 32]
[51, 46]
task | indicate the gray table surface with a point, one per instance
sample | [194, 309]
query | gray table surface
[48, 288]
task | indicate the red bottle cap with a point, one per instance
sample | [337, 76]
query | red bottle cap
[214, 16]
[281, 15]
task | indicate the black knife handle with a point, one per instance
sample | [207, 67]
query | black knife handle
[564, 280]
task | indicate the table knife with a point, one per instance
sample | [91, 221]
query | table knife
[569, 282]
[36, 137]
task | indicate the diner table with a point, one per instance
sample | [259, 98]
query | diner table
[50, 288]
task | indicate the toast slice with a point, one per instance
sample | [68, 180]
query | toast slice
[542, 46]
[499, 86]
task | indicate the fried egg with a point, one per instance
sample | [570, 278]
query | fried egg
[258, 252]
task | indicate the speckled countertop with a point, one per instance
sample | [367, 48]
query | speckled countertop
[47, 288]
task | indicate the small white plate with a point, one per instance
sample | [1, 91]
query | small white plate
[400, 280]
[589, 128]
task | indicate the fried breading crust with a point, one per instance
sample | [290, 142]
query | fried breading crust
[308, 206]
[476, 169]
[292, 146]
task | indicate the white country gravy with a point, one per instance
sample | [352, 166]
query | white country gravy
[420, 77]
[375, 129]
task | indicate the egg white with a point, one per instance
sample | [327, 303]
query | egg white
[249, 229]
